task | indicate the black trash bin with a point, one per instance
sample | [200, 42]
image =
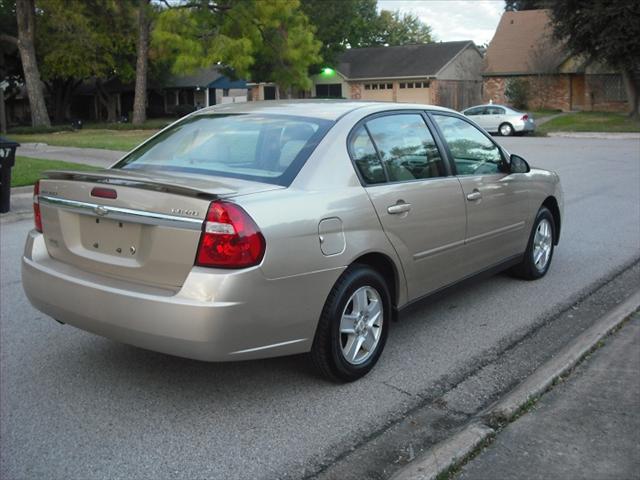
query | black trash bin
[7, 161]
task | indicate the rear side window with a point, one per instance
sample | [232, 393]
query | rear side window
[473, 153]
[365, 157]
[406, 147]
[267, 148]
[496, 110]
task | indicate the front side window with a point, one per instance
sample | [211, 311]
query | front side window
[472, 151]
[267, 148]
[406, 147]
[474, 111]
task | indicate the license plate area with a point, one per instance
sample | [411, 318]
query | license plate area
[110, 237]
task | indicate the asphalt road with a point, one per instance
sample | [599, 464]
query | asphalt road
[76, 406]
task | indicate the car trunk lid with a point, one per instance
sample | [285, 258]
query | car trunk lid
[137, 226]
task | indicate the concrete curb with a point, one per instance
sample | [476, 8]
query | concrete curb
[599, 135]
[453, 451]
[446, 454]
[538, 382]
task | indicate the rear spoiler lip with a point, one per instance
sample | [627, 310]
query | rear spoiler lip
[112, 178]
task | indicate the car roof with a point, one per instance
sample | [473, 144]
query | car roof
[490, 105]
[318, 108]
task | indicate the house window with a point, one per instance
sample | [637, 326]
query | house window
[329, 90]
[374, 86]
[389, 86]
[367, 86]
[403, 85]
[225, 92]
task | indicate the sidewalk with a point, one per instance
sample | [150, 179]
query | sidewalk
[89, 156]
[587, 427]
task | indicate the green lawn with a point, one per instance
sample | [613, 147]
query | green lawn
[89, 138]
[591, 122]
[543, 113]
[27, 170]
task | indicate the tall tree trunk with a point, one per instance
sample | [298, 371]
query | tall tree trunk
[631, 80]
[25, 15]
[140, 98]
[3, 117]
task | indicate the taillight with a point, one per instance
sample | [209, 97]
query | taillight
[525, 118]
[37, 217]
[230, 238]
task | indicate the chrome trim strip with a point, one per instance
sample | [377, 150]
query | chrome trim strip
[275, 345]
[124, 214]
[498, 231]
[435, 251]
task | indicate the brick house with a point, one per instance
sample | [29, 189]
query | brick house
[523, 48]
[445, 73]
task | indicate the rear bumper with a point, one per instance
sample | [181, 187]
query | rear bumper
[524, 127]
[217, 315]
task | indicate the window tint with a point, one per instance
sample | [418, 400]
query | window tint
[472, 151]
[257, 147]
[495, 110]
[365, 157]
[474, 111]
[406, 147]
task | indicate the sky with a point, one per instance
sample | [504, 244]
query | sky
[453, 19]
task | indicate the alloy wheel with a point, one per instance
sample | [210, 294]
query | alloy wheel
[361, 325]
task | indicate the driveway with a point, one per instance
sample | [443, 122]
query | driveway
[80, 407]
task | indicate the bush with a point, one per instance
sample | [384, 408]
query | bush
[517, 92]
[37, 130]
[182, 110]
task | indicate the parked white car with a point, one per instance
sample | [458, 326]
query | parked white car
[501, 119]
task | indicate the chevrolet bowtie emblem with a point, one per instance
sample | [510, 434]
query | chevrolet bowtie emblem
[100, 210]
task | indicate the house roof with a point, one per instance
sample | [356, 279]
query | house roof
[199, 78]
[521, 40]
[424, 60]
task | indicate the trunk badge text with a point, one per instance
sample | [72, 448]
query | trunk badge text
[184, 211]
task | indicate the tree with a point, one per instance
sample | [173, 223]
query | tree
[267, 40]
[85, 39]
[396, 29]
[519, 5]
[340, 24]
[142, 61]
[25, 16]
[604, 31]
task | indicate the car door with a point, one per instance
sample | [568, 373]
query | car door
[497, 201]
[419, 203]
[494, 117]
[477, 114]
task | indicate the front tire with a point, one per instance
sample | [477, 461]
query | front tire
[506, 129]
[537, 258]
[353, 326]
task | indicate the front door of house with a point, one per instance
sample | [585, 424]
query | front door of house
[577, 92]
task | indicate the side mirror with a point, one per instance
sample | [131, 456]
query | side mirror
[518, 164]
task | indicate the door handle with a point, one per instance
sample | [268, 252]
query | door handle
[399, 208]
[473, 196]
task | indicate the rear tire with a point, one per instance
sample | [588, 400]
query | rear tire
[506, 129]
[537, 258]
[353, 326]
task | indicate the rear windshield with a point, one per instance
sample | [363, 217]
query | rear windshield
[266, 148]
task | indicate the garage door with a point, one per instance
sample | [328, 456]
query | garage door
[414, 92]
[377, 91]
